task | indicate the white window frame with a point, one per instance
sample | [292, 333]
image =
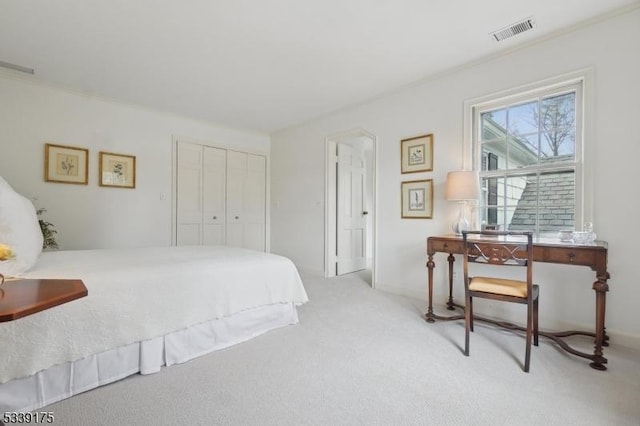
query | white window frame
[583, 81]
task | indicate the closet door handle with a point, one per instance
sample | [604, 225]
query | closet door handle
[215, 217]
[237, 217]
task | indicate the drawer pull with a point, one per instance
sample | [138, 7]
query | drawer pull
[572, 257]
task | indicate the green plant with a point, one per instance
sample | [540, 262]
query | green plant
[48, 231]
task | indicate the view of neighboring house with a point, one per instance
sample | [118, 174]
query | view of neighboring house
[528, 164]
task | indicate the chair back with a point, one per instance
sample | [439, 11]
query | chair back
[504, 248]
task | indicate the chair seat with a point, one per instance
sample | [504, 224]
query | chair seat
[503, 286]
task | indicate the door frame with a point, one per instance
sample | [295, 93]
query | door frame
[330, 224]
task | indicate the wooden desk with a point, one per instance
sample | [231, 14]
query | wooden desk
[545, 250]
[23, 297]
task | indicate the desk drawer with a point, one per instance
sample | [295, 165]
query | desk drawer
[595, 257]
[435, 245]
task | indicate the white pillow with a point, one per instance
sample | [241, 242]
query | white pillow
[19, 229]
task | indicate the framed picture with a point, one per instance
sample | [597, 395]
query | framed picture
[417, 199]
[417, 154]
[66, 164]
[117, 170]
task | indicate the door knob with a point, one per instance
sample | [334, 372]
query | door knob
[237, 217]
[215, 217]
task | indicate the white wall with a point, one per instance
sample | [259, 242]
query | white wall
[91, 216]
[436, 106]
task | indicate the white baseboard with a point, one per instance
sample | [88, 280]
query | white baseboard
[623, 339]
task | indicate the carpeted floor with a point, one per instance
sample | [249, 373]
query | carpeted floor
[364, 357]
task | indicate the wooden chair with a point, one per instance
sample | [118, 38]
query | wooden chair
[501, 248]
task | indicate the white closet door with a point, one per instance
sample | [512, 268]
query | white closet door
[255, 202]
[189, 194]
[246, 187]
[236, 176]
[213, 196]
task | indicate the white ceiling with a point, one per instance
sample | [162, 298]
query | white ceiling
[263, 64]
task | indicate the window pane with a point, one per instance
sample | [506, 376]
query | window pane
[521, 190]
[557, 187]
[493, 124]
[558, 144]
[557, 201]
[490, 199]
[522, 118]
[552, 222]
[493, 155]
[523, 151]
[496, 193]
[492, 216]
[557, 112]
[522, 218]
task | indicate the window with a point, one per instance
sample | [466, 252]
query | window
[528, 149]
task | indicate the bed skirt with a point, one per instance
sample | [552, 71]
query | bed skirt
[71, 378]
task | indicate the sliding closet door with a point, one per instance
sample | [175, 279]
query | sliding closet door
[200, 195]
[236, 174]
[255, 202]
[213, 195]
[220, 197]
[246, 192]
[189, 194]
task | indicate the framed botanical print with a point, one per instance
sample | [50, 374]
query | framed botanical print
[417, 154]
[417, 199]
[66, 164]
[117, 170]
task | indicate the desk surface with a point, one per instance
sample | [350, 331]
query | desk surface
[19, 298]
[550, 250]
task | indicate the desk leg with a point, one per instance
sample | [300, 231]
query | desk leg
[601, 287]
[430, 266]
[450, 304]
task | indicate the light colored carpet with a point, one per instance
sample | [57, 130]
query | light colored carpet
[364, 357]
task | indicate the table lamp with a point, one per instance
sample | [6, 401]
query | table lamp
[462, 186]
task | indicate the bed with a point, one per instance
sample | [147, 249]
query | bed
[146, 308]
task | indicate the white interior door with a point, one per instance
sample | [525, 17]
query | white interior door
[351, 214]
[213, 196]
[246, 200]
[255, 202]
[189, 194]
[236, 176]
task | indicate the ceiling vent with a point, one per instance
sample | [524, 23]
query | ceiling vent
[513, 29]
[15, 67]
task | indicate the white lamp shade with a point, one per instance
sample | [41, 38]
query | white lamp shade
[463, 185]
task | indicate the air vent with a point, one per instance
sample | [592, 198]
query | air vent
[513, 29]
[15, 67]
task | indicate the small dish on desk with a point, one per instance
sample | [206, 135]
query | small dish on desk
[565, 235]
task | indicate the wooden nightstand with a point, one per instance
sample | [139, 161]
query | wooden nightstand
[23, 297]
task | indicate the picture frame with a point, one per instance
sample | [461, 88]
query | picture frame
[416, 154]
[117, 170]
[417, 199]
[66, 164]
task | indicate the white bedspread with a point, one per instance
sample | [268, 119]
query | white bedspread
[139, 294]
